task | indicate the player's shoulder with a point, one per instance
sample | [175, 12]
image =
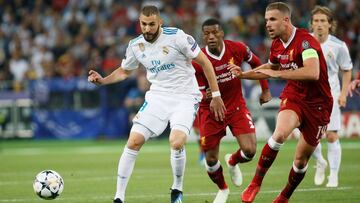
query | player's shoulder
[138, 39]
[336, 41]
[234, 43]
[171, 31]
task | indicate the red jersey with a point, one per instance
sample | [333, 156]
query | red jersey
[289, 56]
[230, 86]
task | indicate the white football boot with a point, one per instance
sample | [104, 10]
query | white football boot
[222, 196]
[320, 172]
[235, 173]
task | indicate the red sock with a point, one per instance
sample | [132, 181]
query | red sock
[293, 181]
[237, 158]
[266, 158]
[218, 178]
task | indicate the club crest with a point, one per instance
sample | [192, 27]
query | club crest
[142, 47]
[165, 50]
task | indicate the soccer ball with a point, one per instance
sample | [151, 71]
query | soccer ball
[48, 184]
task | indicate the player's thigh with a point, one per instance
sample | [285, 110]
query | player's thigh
[286, 122]
[177, 138]
[303, 152]
[335, 118]
[211, 131]
[153, 114]
[183, 112]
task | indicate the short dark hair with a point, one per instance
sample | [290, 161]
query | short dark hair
[210, 22]
[326, 11]
[281, 6]
[150, 10]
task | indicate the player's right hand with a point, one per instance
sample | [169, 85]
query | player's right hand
[354, 87]
[235, 70]
[95, 77]
[217, 106]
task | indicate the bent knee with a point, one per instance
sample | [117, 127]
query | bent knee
[177, 144]
[249, 152]
[300, 163]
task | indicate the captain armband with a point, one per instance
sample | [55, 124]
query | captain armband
[309, 53]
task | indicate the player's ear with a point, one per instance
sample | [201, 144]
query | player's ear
[161, 22]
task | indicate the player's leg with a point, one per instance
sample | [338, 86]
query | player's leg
[287, 120]
[321, 165]
[298, 170]
[181, 121]
[334, 157]
[243, 128]
[215, 171]
[137, 138]
[247, 150]
[333, 143]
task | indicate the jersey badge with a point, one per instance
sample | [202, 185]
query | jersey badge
[291, 54]
[165, 50]
[142, 47]
[232, 61]
[190, 40]
[305, 44]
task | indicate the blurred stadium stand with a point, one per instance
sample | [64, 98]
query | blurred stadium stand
[47, 48]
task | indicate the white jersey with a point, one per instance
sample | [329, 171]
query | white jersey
[167, 61]
[337, 57]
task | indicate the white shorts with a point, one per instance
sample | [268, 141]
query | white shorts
[335, 118]
[160, 108]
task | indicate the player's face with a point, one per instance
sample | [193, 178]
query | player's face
[213, 36]
[320, 24]
[275, 23]
[150, 26]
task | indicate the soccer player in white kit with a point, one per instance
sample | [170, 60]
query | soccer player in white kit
[337, 58]
[173, 98]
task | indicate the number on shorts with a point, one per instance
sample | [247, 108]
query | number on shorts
[321, 131]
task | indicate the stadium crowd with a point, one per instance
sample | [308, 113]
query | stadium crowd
[65, 38]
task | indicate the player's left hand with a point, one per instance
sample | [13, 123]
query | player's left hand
[218, 108]
[265, 96]
[270, 72]
[342, 100]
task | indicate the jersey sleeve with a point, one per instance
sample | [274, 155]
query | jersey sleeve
[200, 76]
[273, 60]
[343, 58]
[129, 62]
[187, 45]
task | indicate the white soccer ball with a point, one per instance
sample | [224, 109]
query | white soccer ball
[48, 184]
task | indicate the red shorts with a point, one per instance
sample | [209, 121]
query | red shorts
[212, 131]
[313, 118]
[196, 123]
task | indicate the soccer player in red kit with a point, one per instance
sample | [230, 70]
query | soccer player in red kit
[221, 53]
[306, 103]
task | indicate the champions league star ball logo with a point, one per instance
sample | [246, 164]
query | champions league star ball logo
[305, 45]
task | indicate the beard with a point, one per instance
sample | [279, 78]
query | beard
[150, 37]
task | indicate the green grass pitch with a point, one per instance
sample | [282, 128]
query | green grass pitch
[89, 170]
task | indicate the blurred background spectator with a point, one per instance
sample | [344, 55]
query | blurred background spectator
[43, 40]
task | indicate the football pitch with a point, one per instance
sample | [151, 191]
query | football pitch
[89, 171]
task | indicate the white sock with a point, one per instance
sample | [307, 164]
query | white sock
[317, 155]
[125, 169]
[178, 161]
[334, 156]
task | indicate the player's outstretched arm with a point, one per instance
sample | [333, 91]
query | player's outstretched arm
[216, 105]
[252, 74]
[116, 76]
